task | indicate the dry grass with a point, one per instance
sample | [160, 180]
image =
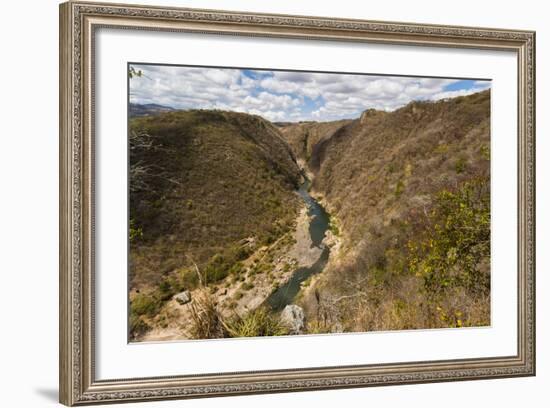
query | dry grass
[407, 308]
[257, 323]
[379, 176]
[206, 320]
[207, 181]
[382, 178]
[207, 189]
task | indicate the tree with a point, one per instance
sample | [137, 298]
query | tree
[132, 72]
[452, 248]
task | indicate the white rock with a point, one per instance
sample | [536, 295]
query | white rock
[183, 297]
[293, 318]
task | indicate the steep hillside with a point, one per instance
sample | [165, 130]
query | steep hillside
[409, 192]
[208, 188]
[303, 136]
[392, 233]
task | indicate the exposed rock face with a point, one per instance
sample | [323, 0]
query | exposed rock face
[293, 317]
[370, 113]
[303, 136]
[183, 297]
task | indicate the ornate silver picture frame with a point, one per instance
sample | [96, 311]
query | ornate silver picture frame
[79, 22]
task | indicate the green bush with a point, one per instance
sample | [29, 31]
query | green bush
[453, 247]
[269, 238]
[189, 278]
[247, 286]
[242, 252]
[333, 226]
[165, 290]
[399, 187]
[135, 232]
[485, 152]
[145, 305]
[169, 287]
[216, 269]
[259, 322]
[221, 265]
[460, 165]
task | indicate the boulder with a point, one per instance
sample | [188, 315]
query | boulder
[183, 297]
[293, 318]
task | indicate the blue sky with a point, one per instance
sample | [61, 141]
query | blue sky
[288, 95]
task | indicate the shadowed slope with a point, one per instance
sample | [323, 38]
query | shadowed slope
[202, 181]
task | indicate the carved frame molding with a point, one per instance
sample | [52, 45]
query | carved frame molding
[78, 21]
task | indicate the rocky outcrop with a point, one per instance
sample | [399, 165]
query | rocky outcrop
[293, 318]
[370, 113]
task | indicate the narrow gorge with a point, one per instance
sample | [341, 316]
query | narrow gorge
[350, 222]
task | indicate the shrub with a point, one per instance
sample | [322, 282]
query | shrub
[206, 320]
[243, 252]
[451, 251]
[145, 305]
[460, 165]
[216, 270]
[333, 226]
[485, 152]
[247, 286]
[166, 290]
[137, 326]
[221, 265]
[399, 187]
[168, 287]
[269, 238]
[259, 322]
[135, 232]
[189, 278]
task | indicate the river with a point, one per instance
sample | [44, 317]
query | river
[318, 226]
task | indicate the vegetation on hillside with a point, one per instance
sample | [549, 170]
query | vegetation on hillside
[207, 189]
[411, 191]
[213, 210]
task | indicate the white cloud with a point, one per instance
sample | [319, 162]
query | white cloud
[280, 96]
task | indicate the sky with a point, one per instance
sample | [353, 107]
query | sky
[288, 95]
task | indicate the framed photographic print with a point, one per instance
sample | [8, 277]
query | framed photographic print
[256, 203]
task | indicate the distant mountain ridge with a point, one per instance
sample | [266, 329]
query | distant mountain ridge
[147, 109]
